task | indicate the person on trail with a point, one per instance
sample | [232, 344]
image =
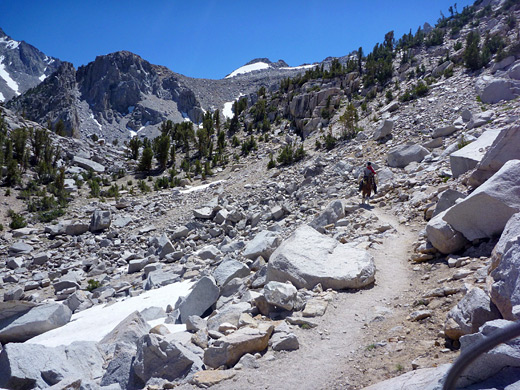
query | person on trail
[368, 171]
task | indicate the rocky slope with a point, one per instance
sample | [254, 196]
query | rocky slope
[22, 67]
[442, 244]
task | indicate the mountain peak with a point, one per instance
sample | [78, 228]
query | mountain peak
[256, 65]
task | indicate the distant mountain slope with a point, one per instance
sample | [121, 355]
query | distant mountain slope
[121, 94]
[22, 67]
[114, 97]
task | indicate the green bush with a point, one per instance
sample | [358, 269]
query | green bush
[418, 90]
[271, 164]
[95, 188]
[93, 284]
[289, 154]
[50, 215]
[249, 145]
[143, 187]
[162, 183]
[17, 220]
[330, 141]
[112, 192]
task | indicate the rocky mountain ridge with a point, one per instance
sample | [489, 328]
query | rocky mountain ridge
[22, 67]
[120, 94]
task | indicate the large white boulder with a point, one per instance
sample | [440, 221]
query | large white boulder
[472, 311]
[280, 294]
[39, 319]
[442, 235]
[33, 366]
[504, 148]
[444, 131]
[492, 362]
[492, 90]
[228, 350]
[263, 245]
[202, 296]
[163, 357]
[88, 164]
[334, 211]
[384, 131]
[505, 290]
[446, 200]
[514, 72]
[401, 156]
[470, 155]
[307, 258]
[485, 212]
[230, 269]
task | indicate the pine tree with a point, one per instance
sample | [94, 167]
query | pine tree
[349, 120]
[472, 59]
[360, 59]
[134, 145]
[145, 164]
[161, 150]
[59, 128]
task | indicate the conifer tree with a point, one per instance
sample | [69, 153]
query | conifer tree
[471, 55]
[145, 164]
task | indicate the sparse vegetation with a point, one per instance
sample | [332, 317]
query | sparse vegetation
[17, 220]
[290, 154]
[93, 284]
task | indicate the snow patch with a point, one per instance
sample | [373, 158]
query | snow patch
[42, 77]
[95, 323]
[95, 121]
[132, 133]
[5, 75]
[186, 117]
[227, 111]
[248, 68]
[299, 67]
[10, 43]
[2, 98]
[201, 187]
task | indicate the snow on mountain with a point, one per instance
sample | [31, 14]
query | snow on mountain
[22, 67]
[7, 78]
[227, 111]
[299, 67]
[9, 43]
[248, 69]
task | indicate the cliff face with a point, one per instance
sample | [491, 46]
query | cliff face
[53, 100]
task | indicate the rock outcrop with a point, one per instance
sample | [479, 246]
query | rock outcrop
[308, 258]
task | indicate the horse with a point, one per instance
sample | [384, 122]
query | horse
[366, 188]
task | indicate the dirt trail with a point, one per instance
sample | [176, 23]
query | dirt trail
[327, 354]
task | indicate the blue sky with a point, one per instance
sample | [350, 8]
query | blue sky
[209, 38]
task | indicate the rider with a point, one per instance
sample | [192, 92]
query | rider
[367, 172]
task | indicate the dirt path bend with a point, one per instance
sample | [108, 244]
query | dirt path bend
[327, 353]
